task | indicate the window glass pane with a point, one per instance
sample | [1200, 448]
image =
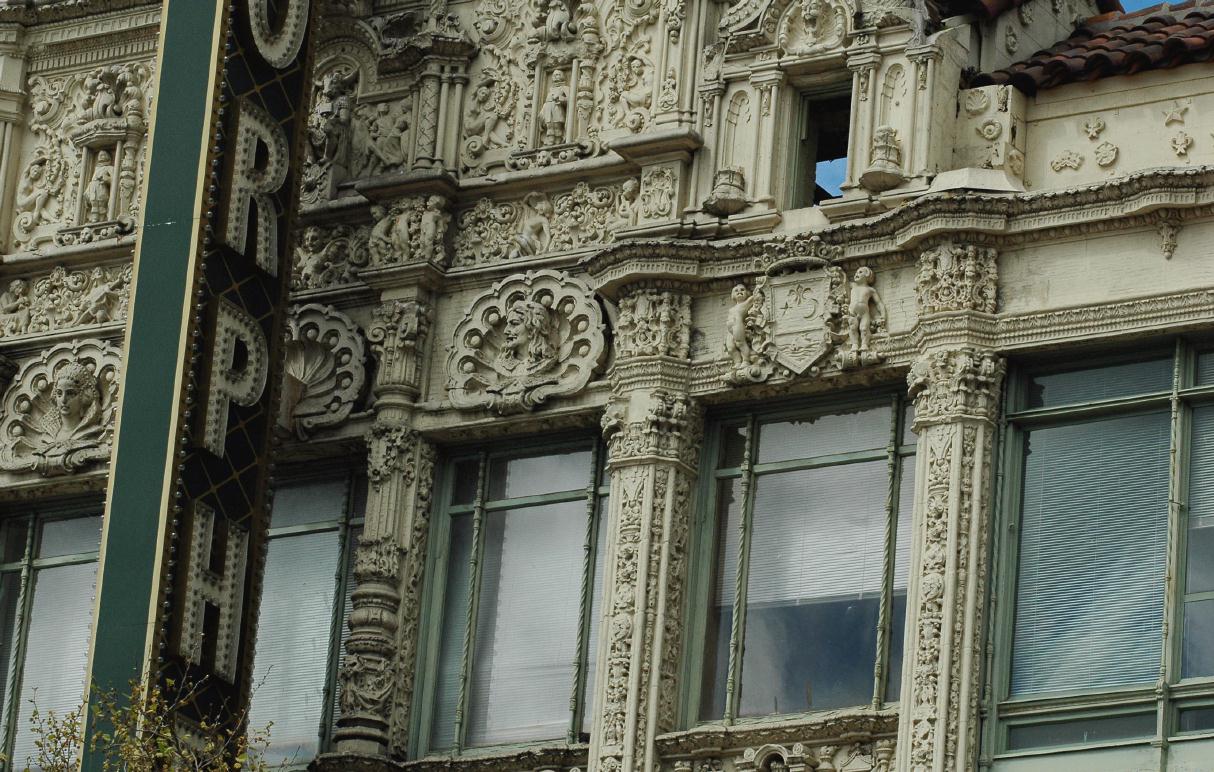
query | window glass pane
[596, 605]
[1096, 383]
[720, 608]
[463, 489]
[902, 550]
[512, 478]
[825, 435]
[1079, 731]
[908, 423]
[1205, 368]
[526, 632]
[70, 536]
[16, 534]
[733, 446]
[359, 488]
[314, 501]
[1093, 536]
[1198, 657]
[56, 647]
[1200, 562]
[816, 562]
[455, 626]
[293, 635]
[1196, 719]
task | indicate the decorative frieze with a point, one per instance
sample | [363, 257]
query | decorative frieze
[64, 299]
[410, 230]
[324, 371]
[532, 336]
[59, 410]
[330, 256]
[653, 322]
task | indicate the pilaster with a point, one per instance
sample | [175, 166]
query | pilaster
[955, 382]
[653, 431]
[377, 670]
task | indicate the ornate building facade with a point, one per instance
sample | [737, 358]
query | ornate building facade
[671, 385]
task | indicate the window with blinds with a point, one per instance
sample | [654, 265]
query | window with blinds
[314, 526]
[517, 588]
[47, 582]
[1111, 471]
[807, 583]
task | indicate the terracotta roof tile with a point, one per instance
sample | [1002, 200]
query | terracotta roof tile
[1116, 44]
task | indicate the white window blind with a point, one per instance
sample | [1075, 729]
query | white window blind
[56, 652]
[293, 636]
[1093, 536]
[526, 633]
[455, 626]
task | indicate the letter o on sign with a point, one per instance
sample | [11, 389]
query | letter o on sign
[279, 47]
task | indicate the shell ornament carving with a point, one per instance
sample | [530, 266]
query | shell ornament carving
[59, 410]
[325, 369]
[531, 337]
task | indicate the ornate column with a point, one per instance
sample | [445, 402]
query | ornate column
[653, 432]
[377, 665]
[12, 113]
[955, 382]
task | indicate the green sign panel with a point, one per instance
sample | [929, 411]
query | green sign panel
[186, 513]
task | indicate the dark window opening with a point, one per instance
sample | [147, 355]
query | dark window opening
[821, 166]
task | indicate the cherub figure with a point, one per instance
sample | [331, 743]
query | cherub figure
[737, 343]
[15, 308]
[535, 234]
[432, 228]
[865, 311]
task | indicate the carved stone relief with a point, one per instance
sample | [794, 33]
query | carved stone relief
[328, 151]
[327, 256]
[411, 230]
[64, 299]
[325, 369]
[530, 337]
[810, 26]
[653, 322]
[59, 410]
[955, 277]
[493, 231]
[79, 183]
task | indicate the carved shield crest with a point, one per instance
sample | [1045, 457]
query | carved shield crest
[804, 309]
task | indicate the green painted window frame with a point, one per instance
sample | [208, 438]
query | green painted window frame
[1168, 694]
[431, 621]
[900, 460]
[34, 518]
[348, 525]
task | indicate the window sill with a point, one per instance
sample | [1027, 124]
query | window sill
[506, 758]
[808, 728]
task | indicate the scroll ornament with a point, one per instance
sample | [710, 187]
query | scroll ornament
[531, 337]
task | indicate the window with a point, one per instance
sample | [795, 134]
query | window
[47, 587]
[314, 528]
[1113, 492]
[804, 550]
[517, 542]
[823, 126]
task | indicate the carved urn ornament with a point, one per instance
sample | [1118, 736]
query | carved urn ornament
[885, 161]
[528, 338]
[728, 194]
[59, 410]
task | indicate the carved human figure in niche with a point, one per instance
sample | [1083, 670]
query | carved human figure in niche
[535, 234]
[15, 308]
[637, 96]
[386, 146]
[97, 192]
[36, 191]
[485, 126]
[75, 421]
[528, 351]
[555, 111]
[432, 228]
[329, 132]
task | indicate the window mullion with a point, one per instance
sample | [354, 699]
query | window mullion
[743, 570]
[1177, 515]
[478, 550]
[893, 475]
[17, 657]
[581, 658]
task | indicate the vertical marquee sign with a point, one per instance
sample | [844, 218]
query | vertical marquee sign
[186, 511]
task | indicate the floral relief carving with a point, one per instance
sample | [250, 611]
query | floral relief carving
[1067, 159]
[64, 299]
[1181, 143]
[80, 182]
[653, 322]
[324, 369]
[957, 277]
[59, 410]
[531, 337]
[657, 193]
[1105, 154]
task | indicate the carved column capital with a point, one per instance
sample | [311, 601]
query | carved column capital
[654, 320]
[398, 332]
[956, 384]
[957, 277]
